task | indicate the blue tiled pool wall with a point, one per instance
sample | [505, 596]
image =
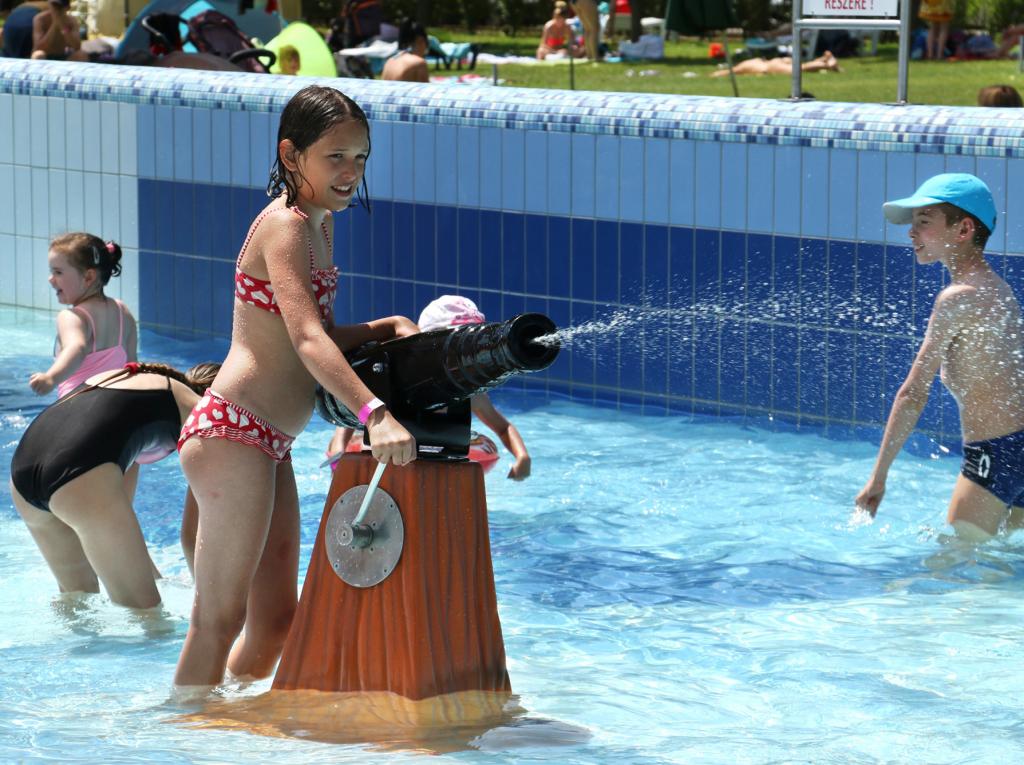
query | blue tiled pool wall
[744, 237]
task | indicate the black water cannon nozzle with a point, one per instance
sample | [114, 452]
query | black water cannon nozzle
[427, 380]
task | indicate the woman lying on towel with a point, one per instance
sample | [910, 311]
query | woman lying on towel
[826, 62]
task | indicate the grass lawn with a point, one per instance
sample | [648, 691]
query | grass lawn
[686, 69]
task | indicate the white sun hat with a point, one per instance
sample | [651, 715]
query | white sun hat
[449, 311]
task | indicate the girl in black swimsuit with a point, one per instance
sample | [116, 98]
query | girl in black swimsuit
[74, 473]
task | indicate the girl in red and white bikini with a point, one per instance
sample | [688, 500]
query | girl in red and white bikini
[235, 445]
[98, 333]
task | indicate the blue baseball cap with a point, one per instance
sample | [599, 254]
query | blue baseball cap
[963, 190]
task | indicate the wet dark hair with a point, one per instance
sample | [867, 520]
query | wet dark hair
[1000, 95]
[308, 115]
[954, 215]
[87, 251]
[409, 32]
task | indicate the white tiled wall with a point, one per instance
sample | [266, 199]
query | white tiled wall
[71, 166]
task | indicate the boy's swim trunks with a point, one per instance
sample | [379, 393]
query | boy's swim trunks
[997, 465]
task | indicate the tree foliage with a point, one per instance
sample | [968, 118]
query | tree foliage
[511, 15]
[991, 15]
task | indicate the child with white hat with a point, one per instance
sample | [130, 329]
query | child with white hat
[455, 311]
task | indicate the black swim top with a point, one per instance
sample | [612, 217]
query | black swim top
[91, 428]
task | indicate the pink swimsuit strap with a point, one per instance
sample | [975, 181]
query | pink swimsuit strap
[80, 310]
[105, 360]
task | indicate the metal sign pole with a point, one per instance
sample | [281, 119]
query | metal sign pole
[571, 50]
[904, 52]
[728, 63]
[798, 49]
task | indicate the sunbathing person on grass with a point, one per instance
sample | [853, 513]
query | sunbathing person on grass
[826, 62]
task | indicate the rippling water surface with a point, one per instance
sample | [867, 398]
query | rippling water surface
[671, 591]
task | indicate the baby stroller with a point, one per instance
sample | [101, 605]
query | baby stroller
[212, 34]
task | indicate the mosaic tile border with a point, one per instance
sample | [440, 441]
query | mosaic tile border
[918, 129]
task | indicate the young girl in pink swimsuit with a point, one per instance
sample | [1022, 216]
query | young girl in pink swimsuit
[98, 333]
[235, 445]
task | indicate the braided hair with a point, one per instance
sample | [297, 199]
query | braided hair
[197, 378]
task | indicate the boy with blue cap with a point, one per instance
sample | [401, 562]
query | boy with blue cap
[976, 338]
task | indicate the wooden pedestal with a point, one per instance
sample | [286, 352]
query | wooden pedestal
[432, 626]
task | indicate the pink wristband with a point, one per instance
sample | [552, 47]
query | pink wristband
[368, 409]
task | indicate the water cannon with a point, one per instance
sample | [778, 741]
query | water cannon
[408, 554]
[427, 380]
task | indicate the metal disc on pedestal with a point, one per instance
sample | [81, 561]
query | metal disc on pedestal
[367, 554]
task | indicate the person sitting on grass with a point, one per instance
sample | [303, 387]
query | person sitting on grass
[557, 35]
[1012, 36]
[410, 63]
[56, 34]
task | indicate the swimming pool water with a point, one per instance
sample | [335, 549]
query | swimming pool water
[686, 590]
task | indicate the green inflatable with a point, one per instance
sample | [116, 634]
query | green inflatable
[314, 56]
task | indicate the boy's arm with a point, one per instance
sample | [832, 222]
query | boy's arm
[506, 431]
[71, 331]
[340, 440]
[947, 319]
